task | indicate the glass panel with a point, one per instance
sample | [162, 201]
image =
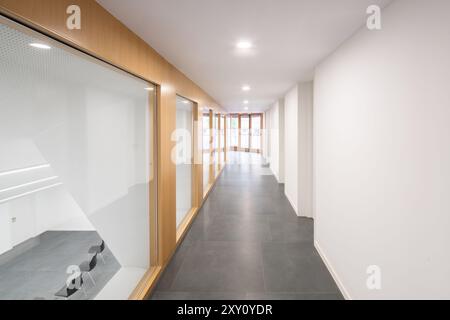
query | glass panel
[256, 132]
[228, 125]
[206, 150]
[184, 152]
[216, 143]
[234, 131]
[216, 132]
[76, 172]
[222, 139]
[245, 131]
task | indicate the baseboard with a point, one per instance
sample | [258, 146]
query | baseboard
[292, 204]
[333, 273]
[275, 175]
[186, 223]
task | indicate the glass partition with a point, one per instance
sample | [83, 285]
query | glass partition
[222, 140]
[256, 132]
[234, 132]
[206, 150]
[228, 138]
[77, 172]
[216, 133]
[245, 131]
[184, 154]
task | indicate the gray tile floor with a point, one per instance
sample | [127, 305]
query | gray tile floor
[41, 271]
[247, 243]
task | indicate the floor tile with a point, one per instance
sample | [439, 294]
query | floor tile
[42, 270]
[220, 267]
[291, 230]
[295, 267]
[247, 242]
[166, 280]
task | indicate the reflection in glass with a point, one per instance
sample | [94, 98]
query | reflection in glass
[184, 151]
[206, 150]
[216, 143]
[222, 140]
[245, 131]
[234, 140]
[76, 171]
[256, 132]
[228, 134]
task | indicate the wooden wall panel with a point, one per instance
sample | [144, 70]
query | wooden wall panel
[106, 38]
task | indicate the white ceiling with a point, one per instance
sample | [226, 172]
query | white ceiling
[290, 37]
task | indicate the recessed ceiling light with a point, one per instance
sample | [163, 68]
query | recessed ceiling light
[243, 44]
[246, 88]
[40, 46]
[245, 101]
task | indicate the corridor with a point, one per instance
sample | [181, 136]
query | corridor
[247, 243]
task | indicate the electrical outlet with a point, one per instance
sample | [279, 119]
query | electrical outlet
[13, 220]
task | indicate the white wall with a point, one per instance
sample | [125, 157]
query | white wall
[298, 142]
[281, 142]
[291, 143]
[34, 214]
[382, 155]
[5, 230]
[24, 211]
[305, 149]
[266, 136]
[277, 139]
[274, 140]
[49, 210]
[19, 152]
[56, 210]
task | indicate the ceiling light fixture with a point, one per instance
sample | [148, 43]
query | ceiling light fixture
[246, 88]
[243, 44]
[40, 46]
[149, 88]
[245, 101]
